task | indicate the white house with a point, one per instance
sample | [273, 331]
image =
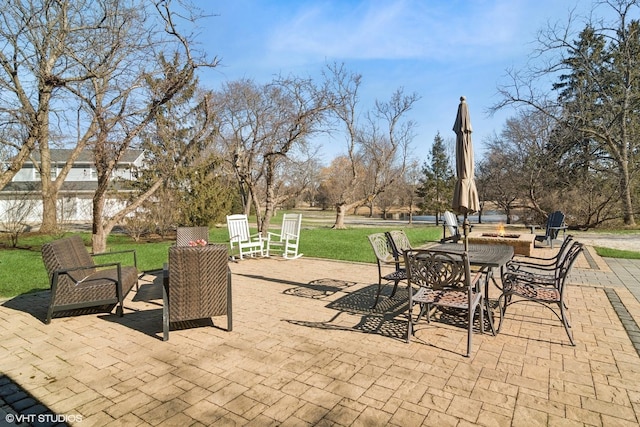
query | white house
[23, 193]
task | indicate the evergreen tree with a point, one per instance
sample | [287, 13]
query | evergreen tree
[436, 187]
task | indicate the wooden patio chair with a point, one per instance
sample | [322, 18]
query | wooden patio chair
[443, 279]
[77, 282]
[286, 242]
[240, 237]
[451, 225]
[555, 224]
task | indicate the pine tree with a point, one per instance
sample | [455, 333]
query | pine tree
[436, 188]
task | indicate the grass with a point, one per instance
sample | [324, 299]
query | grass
[616, 253]
[22, 270]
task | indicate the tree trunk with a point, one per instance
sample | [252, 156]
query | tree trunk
[625, 191]
[341, 210]
[98, 234]
[99, 241]
[269, 202]
[49, 214]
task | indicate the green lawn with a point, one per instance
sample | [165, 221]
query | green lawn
[22, 271]
[616, 253]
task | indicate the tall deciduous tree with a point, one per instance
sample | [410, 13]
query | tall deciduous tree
[377, 148]
[46, 45]
[92, 62]
[598, 90]
[129, 92]
[260, 127]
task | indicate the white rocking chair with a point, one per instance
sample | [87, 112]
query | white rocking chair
[239, 235]
[287, 241]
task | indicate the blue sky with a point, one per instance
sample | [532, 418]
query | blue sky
[440, 49]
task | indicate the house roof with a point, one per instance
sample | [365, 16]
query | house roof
[86, 156]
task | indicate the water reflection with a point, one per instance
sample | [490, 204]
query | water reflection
[489, 217]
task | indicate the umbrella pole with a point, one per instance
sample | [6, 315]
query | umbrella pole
[466, 226]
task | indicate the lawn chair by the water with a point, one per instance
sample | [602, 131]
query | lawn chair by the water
[451, 225]
[555, 223]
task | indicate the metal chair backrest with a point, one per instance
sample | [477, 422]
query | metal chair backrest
[438, 270]
[381, 248]
[567, 261]
[399, 243]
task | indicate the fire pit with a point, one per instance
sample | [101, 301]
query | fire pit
[522, 243]
[506, 236]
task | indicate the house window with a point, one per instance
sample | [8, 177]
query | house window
[53, 173]
[90, 173]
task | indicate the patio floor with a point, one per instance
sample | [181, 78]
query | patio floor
[306, 350]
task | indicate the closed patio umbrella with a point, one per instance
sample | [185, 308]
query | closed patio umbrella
[465, 194]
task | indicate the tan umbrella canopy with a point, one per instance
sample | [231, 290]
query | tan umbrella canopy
[465, 195]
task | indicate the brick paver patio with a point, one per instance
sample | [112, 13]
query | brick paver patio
[306, 350]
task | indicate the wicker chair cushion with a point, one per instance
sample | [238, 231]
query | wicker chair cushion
[67, 253]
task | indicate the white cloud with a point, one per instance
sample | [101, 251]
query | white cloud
[401, 29]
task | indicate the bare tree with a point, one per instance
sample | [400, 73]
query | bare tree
[379, 146]
[408, 190]
[260, 126]
[44, 44]
[90, 62]
[128, 92]
[597, 79]
[242, 112]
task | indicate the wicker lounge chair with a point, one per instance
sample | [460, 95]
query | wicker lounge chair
[197, 285]
[443, 279]
[78, 282]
